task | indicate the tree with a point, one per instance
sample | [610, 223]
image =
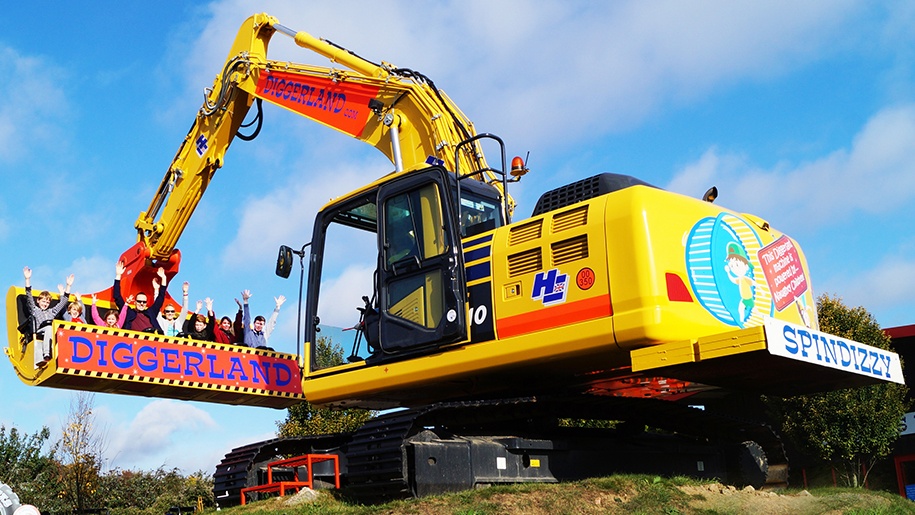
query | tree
[304, 419]
[854, 427]
[81, 446]
[27, 465]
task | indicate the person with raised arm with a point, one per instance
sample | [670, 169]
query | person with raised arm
[171, 324]
[200, 327]
[42, 315]
[113, 318]
[143, 317]
[257, 335]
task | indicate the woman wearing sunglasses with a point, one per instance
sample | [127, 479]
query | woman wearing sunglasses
[170, 322]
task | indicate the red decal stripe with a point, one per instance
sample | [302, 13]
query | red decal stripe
[555, 316]
[339, 104]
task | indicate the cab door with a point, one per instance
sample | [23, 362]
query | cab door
[421, 285]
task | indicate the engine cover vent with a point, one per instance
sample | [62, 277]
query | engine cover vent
[584, 189]
[526, 262]
[570, 219]
[570, 250]
[525, 232]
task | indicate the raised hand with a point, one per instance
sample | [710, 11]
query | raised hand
[279, 301]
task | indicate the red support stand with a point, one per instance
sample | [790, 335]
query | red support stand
[307, 461]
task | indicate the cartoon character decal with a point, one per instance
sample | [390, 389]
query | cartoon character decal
[724, 270]
[739, 270]
[740, 282]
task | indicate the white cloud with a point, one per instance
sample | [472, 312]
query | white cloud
[694, 178]
[93, 274]
[629, 59]
[152, 430]
[33, 104]
[553, 72]
[341, 296]
[874, 175]
[286, 214]
[886, 285]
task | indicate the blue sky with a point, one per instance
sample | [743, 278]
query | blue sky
[801, 113]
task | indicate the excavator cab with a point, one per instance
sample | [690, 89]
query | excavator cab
[401, 241]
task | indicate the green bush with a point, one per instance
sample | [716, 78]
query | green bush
[153, 492]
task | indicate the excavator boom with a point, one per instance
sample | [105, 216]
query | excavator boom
[398, 111]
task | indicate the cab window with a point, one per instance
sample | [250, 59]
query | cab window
[413, 225]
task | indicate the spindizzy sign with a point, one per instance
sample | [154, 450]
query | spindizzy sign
[798, 342]
[209, 365]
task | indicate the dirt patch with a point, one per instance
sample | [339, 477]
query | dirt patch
[727, 499]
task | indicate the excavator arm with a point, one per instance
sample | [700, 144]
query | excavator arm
[398, 111]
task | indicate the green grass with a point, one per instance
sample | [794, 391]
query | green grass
[619, 494]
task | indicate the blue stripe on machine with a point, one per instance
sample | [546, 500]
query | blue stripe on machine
[480, 271]
[473, 255]
[478, 241]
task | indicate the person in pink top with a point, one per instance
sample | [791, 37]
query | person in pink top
[112, 317]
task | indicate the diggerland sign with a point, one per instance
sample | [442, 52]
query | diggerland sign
[339, 104]
[208, 364]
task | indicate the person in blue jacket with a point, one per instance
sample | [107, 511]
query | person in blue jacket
[257, 334]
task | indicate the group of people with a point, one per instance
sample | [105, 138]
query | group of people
[138, 314]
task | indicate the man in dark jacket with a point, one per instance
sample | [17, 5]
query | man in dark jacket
[143, 318]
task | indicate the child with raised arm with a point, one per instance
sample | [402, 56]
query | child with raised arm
[42, 314]
[112, 318]
[75, 310]
[200, 327]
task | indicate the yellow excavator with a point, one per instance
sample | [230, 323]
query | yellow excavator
[616, 300]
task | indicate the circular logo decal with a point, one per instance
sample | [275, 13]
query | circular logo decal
[585, 278]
